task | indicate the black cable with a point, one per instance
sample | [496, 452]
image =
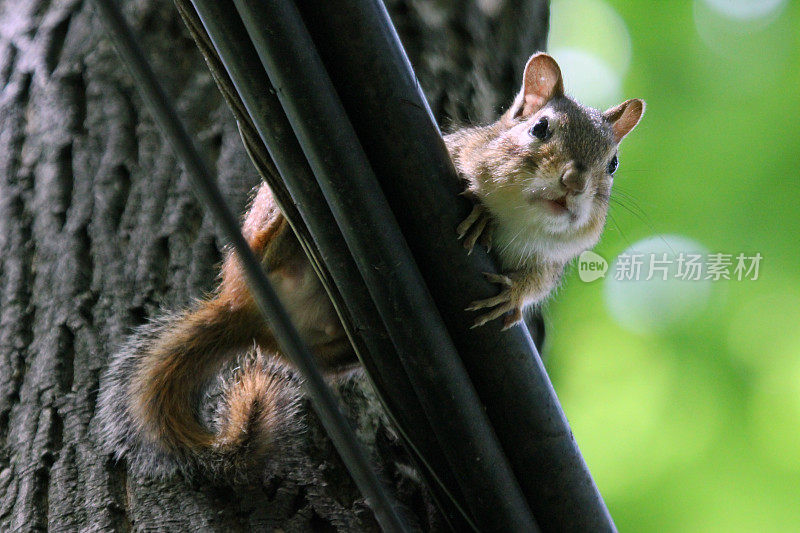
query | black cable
[238, 57]
[380, 93]
[386, 265]
[325, 404]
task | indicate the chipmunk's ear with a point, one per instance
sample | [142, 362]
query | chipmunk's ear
[541, 82]
[625, 117]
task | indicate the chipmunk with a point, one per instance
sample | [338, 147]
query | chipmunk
[540, 176]
[150, 393]
[541, 180]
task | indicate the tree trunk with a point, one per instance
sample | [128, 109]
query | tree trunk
[99, 231]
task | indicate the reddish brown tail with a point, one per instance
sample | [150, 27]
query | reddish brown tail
[179, 362]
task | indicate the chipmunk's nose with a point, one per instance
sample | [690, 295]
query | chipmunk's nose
[574, 178]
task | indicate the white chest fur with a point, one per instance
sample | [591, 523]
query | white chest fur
[519, 242]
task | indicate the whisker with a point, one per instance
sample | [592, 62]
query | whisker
[644, 219]
[631, 206]
[632, 200]
[620, 190]
[629, 202]
[509, 243]
[619, 228]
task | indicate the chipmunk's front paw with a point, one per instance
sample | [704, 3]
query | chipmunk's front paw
[476, 226]
[510, 300]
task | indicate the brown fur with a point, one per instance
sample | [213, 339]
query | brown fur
[498, 162]
[189, 352]
[256, 402]
[542, 197]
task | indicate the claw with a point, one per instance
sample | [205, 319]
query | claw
[513, 319]
[475, 227]
[486, 237]
[501, 298]
[498, 278]
[463, 228]
[493, 314]
[499, 305]
[469, 242]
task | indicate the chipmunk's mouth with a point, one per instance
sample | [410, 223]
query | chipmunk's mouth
[557, 206]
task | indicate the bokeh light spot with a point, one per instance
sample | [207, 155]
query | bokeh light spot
[589, 79]
[643, 305]
[744, 30]
[746, 9]
[593, 47]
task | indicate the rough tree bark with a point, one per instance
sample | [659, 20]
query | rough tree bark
[99, 231]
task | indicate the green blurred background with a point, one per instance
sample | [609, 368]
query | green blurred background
[685, 396]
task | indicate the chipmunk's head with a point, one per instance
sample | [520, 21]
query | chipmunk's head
[556, 157]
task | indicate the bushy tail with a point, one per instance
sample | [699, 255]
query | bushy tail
[260, 405]
[150, 396]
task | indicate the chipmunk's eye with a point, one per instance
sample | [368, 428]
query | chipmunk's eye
[613, 164]
[539, 130]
